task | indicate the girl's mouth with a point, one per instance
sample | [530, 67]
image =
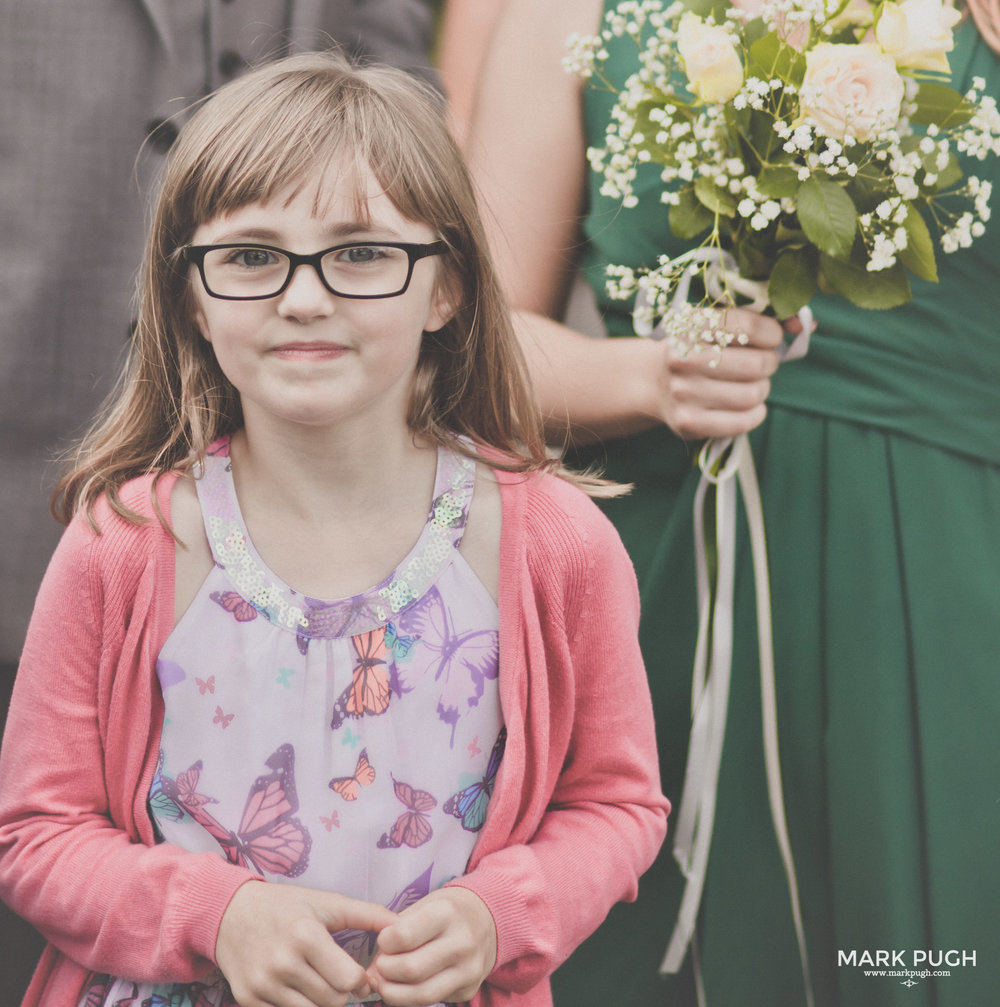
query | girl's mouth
[309, 351]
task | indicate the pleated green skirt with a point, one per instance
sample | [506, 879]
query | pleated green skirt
[886, 611]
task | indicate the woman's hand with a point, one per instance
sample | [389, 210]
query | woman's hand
[706, 393]
[440, 949]
[275, 949]
[598, 389]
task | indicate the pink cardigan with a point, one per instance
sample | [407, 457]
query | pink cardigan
[577, 814]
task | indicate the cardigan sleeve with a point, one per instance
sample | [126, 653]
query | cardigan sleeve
[76, 852]
[591, 815]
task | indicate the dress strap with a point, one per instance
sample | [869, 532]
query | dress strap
[217, 496]
[449, 513]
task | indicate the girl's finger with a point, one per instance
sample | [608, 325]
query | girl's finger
[332, 972]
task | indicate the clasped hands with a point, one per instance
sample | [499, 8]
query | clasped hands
[274, 948]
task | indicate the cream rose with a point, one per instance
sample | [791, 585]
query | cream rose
[711, 62]
[917, 33]
[851, 90]
[857, 14]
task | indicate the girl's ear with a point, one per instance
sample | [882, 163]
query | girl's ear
[202, 323]
[444, 304]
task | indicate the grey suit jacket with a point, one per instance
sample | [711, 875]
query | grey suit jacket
[81, 86]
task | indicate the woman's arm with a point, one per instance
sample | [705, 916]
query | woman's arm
[527, 152]
[463, 38]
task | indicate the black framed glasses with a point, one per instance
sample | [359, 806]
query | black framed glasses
[359, 269]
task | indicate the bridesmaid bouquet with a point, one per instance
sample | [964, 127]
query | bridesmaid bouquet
[802, 144]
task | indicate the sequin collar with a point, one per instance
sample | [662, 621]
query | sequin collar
[312, 618]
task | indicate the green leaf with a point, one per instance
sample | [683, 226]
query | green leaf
[708, 8]
[770, 57]
[941, 105]
[764, 142]
[879, 291]
[778, 181]
[754, 30]
[689, 217]
[918, 256]
[717, 200]
[764, 52]
[828, 217]
[793, 280]
[753, 262]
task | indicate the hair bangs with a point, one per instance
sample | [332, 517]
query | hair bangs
[253, 159]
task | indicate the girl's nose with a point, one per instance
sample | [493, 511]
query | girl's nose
[306, 297]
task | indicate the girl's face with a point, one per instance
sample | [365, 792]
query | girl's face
[308, 356]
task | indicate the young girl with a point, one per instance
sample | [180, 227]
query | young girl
[448, 777]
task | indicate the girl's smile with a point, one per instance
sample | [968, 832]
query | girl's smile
[307, 355]
[314, 350]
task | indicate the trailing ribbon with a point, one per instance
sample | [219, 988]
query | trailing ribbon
[726, 463]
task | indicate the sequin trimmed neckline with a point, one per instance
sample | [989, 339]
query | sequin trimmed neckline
[311, 618]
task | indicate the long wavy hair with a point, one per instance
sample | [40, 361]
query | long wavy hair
[275, 127]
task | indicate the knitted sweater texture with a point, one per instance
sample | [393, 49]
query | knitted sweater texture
[576, 815]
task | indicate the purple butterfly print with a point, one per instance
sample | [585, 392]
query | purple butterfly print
[269, 838]
[412, 828]
[469, 804]
[462, 662]
[169, 673]
[234, 603]
[360, 944]
[348, 617]
[97, 989]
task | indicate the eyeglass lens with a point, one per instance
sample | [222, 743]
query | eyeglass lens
[358, 270]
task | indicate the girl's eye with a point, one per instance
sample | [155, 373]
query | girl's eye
[361, 255]
[251, 257]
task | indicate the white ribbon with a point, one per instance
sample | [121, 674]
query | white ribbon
[726, 463]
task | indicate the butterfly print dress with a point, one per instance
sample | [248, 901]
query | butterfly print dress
[347, 745]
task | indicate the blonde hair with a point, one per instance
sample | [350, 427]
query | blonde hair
[276, 127]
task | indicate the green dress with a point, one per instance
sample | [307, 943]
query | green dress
[879, 465]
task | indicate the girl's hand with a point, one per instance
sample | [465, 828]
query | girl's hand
[275, 949]
[708, 394]
[440, 949]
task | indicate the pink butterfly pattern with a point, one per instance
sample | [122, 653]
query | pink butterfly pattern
[269, 837]
[234, 603]
[412, 828]
[222, 719]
